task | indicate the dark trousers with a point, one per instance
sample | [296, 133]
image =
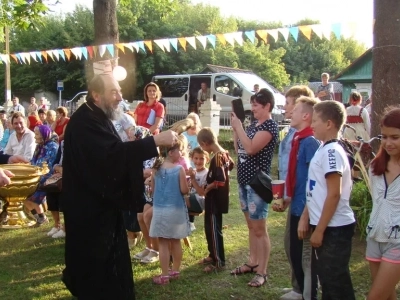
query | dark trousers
[331, 262]
[298, 261]
[215, 240]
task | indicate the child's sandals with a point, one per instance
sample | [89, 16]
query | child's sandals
[258, 280]
[161, 280]
[173, 274]
[244, 269]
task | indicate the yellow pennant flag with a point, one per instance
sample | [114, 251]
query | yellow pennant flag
[263, 35]
[306, 30]
[221, 38]
[121, 47]
[149, 45]
[182, 42]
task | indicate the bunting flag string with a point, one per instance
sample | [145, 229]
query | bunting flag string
[177, 43]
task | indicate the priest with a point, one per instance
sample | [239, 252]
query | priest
[101, 177]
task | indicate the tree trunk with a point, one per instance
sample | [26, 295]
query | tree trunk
[386, 59]
[105, 32]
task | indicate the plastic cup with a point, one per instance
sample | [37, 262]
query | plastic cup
[278, 190]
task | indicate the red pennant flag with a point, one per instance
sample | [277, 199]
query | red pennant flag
[90, 51]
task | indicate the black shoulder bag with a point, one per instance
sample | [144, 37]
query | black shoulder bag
[261, 184]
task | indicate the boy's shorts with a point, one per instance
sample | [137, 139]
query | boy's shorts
[252, 203]
[377, 252]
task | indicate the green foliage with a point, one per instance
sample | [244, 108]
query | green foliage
[361, 202]
[280, 63]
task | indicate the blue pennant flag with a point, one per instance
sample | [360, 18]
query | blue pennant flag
[174, 43]
[84, 52]
[110, 48]
[39, 55]
[212, 39]
[294, 31]
[61, 53]
[251, 35]
[141, 46]
[337, 30]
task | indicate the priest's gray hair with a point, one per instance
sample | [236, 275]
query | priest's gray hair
[95, 85]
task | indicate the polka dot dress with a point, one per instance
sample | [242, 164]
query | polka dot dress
[247, 164]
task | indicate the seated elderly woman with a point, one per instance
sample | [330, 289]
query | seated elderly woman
[45, 152]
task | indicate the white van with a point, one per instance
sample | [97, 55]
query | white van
[180, 91]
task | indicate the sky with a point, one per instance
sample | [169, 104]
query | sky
[288, 12]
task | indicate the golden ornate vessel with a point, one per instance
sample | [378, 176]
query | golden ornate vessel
[22, 186]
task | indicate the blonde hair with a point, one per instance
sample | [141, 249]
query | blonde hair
[196, 119]
[163, 151]
[326, 75]
[207, 136]
[182, 125]
[308, 103]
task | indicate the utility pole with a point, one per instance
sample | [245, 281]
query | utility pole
[7, 84]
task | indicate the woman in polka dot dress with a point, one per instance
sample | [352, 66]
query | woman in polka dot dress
[255, 148]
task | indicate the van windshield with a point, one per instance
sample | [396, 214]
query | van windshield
[249, 80]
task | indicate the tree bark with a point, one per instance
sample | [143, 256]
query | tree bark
[105, 22]
[386, 59]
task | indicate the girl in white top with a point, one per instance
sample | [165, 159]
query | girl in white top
[383, 240]
[357, 117]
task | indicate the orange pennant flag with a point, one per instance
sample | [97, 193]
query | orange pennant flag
[306, 30]
[149, 45]
[94, 51]
[67, 53]
[121, 47]
[221, 38]
[182, 42]
[44, 54]
[263, 35]
[15, 57]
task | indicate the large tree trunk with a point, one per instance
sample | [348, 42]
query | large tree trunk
[386, 59]
[105, 22]
[105, 32]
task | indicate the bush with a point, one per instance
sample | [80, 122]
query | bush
[361, 203]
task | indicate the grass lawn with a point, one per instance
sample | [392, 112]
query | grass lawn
[31, 264]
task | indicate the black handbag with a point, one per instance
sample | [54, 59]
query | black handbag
[53, 184]
[261, 184]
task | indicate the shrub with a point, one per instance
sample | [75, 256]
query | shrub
[361, 203]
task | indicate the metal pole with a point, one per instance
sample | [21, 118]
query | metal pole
[7, 84]
[59, 98]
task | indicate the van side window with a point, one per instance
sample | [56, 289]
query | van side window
[173, 87]
[225, 85]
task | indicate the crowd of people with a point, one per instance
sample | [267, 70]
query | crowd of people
[125, 179]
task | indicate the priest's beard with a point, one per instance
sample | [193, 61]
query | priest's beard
[111, 112]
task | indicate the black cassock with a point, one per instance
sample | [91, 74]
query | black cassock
[101, 176]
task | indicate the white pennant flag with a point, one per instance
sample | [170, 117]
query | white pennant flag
[129, 46]
[77, 52]
[160, 44]
[230, 38]
[56, 55]
[191, 41]
[166, 44]
[274, 33]
[202, 40]
[102, 50]
[33, 55]
[326, 30]
[317, 29]
[134, 45]
[284, 32]
[27, 57]
[238, 36]
[5, 58]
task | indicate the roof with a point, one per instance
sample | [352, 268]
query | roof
[220, 69]
[356, 63]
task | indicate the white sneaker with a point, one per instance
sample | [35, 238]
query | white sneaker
[192, 227]
[292, 295]
[142, 254]
[152, 257]
[59, 235]
[53, 231]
